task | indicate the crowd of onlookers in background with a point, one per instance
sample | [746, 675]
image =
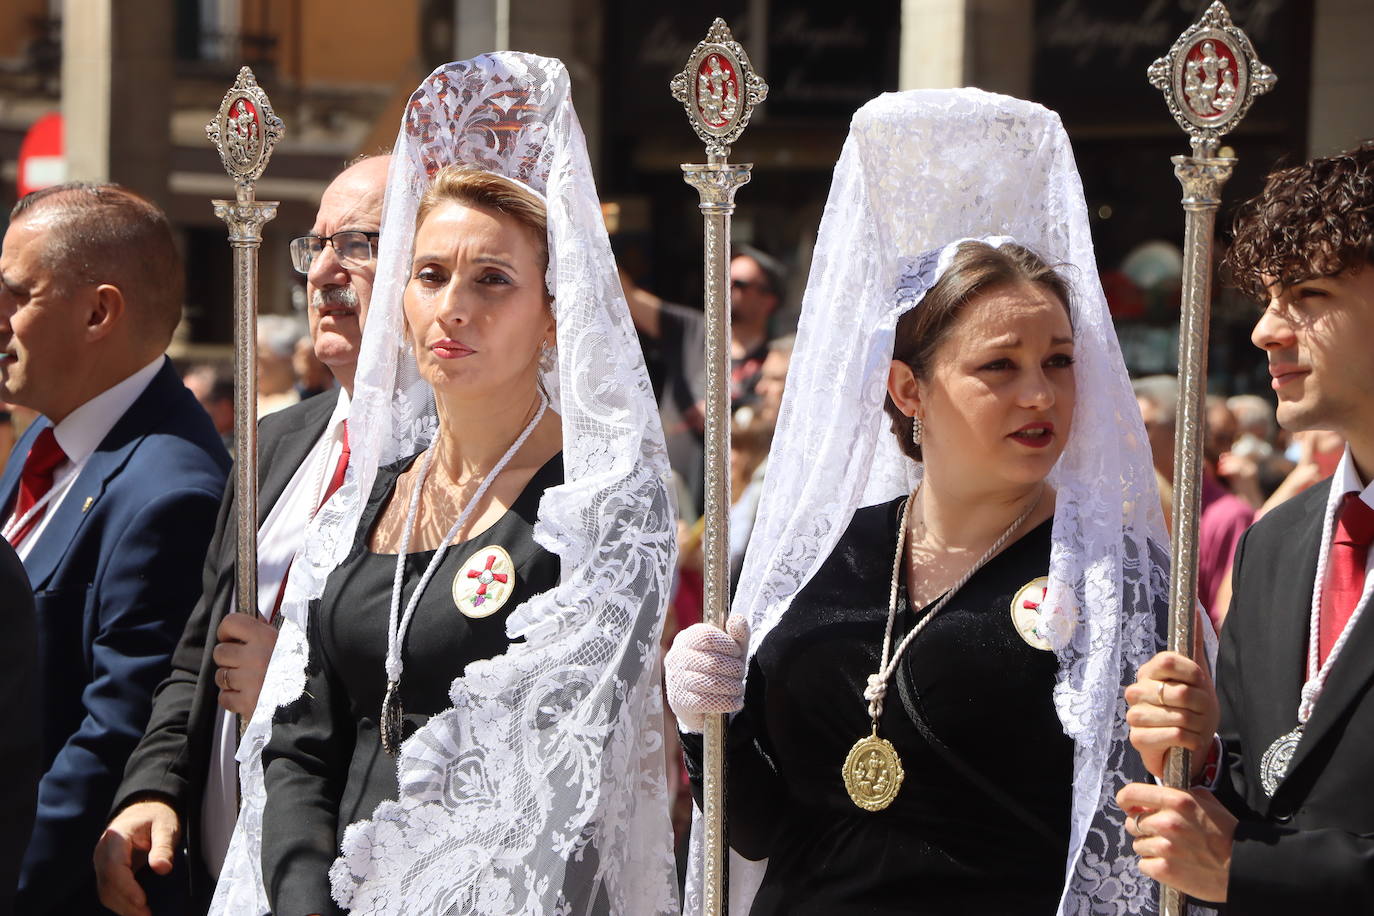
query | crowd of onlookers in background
[1249, 466]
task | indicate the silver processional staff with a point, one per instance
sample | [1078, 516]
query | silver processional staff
[1210, 77]
[719, 89]
[244, 132]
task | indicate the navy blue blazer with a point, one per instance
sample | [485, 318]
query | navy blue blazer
[115, 574]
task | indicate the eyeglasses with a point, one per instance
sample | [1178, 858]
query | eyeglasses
[353, 247]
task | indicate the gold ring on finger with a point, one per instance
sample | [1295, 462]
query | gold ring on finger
[1161, 697]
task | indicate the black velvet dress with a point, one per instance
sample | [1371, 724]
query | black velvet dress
[981, 823]
[324, 766]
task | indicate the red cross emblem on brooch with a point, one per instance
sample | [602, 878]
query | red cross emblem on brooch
[1027, 603]
[485, 576]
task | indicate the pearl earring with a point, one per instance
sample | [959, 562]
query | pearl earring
[917, 429]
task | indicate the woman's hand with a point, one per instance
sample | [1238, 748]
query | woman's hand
[1172, 704]
[705, 669]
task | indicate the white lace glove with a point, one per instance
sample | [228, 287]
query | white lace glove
[705, 669]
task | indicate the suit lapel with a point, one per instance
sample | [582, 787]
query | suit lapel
[57, 536]
[105, 462]
[288, 453]
[1350, 674]
[14, 466]
[1284, 662]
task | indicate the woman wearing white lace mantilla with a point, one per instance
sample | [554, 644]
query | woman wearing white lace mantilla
[467, 703]
[945, 594]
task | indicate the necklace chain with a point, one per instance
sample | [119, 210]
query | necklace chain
[877, 682]
[396, 629]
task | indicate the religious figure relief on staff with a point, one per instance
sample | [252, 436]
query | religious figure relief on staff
[1209, 80]
[717, 91]
[242, 140]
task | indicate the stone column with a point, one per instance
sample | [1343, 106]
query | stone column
[117, 73]
[950, 43]
[1340, 113]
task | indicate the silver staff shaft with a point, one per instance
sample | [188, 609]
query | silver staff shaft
[719, 89]
[1202, 176]
[717, 182]
[245, 218]
[244, 131]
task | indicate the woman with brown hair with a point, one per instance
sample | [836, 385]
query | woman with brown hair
[954, 561]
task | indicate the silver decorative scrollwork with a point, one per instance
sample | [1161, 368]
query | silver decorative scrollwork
[719, 89]
[245, 130]
[1210, 77]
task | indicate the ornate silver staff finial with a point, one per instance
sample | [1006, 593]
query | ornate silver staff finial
[244, 132]
[719, 89]
[1210, 77]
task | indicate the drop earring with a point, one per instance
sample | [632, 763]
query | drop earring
[917, 430]
[547, 357]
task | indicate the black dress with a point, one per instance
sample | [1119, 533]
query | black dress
[324, 766]
[981, 823]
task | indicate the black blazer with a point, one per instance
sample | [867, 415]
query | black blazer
[173, 758]
[1309, 849]
[20, 745]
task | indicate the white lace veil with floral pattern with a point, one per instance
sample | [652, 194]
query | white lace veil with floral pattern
[542, 790]
[919, 172]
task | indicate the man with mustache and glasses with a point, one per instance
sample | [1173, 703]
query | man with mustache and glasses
[1290, 828]
[180, 789]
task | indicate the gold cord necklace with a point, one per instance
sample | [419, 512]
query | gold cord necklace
[872, 770]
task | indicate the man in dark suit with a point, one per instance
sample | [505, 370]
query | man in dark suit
[180, 790]
[109, 498]
[20, 703]
[1290, 828]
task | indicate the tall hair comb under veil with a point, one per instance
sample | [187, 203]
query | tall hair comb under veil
[543, 789]
[920, 171]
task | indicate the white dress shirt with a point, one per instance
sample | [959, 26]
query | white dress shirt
[80, 434]
[279, 539]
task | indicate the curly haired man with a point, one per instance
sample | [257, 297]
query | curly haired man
[1282, 819]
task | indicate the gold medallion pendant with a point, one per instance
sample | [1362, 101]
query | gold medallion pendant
[485, 582]
[873, 773]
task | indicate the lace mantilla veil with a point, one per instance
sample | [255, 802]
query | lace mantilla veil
[542, 790]
[920, 171]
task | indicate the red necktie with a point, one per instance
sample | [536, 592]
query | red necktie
[1345, 569]
[36, 479]
[337, 479]
[335, 482]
